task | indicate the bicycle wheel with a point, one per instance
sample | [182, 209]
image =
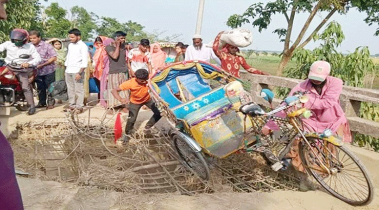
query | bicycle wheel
[191, 159]
[348, 179]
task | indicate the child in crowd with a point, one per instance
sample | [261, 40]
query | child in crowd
[140, 58]
[139, 96]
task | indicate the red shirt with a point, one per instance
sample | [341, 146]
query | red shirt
[231, 63]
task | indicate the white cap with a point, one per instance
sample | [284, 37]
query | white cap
[196, 36]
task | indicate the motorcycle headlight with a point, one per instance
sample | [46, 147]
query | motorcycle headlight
[8, 76]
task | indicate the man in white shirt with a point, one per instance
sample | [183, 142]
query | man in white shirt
[198, 51]
[16, 47]
[76, 63]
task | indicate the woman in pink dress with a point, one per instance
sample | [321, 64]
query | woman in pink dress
[158, 57]
[323, 92]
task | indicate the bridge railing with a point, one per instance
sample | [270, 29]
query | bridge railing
[351, 99]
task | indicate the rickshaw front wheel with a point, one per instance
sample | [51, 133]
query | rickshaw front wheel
[348, 179]
[193, 160]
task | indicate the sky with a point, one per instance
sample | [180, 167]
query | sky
[180, 16]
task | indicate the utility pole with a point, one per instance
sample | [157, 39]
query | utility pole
[200, 16]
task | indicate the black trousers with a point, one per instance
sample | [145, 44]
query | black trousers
[43, 83]
[133, 114]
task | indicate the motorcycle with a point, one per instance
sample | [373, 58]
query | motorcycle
[11, 93]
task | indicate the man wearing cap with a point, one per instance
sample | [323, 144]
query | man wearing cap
[323, 92]
[198, 51]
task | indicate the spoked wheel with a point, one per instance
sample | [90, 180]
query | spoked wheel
[192, 159]
[348, 179]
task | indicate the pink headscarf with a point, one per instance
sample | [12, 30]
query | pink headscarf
[104, 76]
[158, 58]
[98, 58]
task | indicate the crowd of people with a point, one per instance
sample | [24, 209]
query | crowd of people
[121, 73]
[107, 64]
[112, 65]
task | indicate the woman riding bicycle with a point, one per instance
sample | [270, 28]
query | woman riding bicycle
[323, 92]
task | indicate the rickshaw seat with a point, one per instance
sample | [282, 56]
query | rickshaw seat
[202, 106]
[194, 84]
[168, 96]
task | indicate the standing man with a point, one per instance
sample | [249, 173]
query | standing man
[198, 51]
[45, 69]
[10, 195]
[118, 69]
[76, 63]
[140, 58]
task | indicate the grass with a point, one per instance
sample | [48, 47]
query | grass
[266, 63]
[270, 63]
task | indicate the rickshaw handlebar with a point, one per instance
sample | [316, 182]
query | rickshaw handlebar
[288, 102]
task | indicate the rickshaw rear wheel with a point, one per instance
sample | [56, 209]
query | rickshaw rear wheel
[193, 160]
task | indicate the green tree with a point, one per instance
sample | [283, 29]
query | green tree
[84, 21]
[372, 9]
[56, 23]
[108, 26]
[21, 14]
[134, 31]
[261, 15]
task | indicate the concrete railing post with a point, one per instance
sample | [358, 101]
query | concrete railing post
[350, 107]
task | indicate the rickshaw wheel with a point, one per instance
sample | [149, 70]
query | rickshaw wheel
[191, 159]
[348, 180]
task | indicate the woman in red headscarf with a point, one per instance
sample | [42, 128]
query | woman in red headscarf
[98, 57]
[230, 61]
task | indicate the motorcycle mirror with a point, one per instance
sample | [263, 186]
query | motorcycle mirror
[268, 95]
[304, 99]
[24, 56]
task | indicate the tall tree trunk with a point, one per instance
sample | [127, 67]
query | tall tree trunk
[283, 63]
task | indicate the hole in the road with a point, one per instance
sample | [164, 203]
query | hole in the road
[87, 156]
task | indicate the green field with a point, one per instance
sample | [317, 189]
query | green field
[269, 64]
[266, 63]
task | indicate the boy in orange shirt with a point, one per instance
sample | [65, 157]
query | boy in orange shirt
[139, 96]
